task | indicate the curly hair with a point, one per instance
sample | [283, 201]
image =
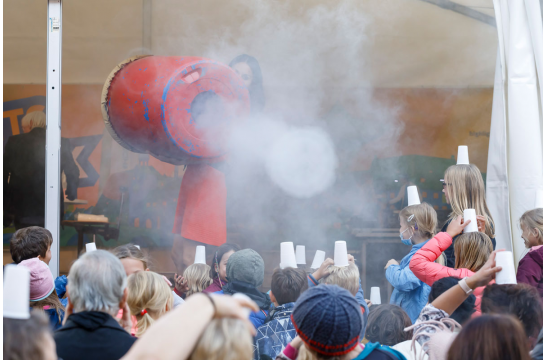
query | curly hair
[386, 325]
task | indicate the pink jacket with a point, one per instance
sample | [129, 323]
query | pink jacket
[425, 268]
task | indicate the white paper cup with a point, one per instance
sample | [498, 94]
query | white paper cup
[341, 255]
[507, 274]
[16, 292]
[90, 247]
[300, 255]
[200, 255]
[319, 258]
[412, 195]
[287, 255]
[469, 214]
[463, 155]
[375, 295]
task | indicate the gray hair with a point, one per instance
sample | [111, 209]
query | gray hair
[37, 118]
[96, 282]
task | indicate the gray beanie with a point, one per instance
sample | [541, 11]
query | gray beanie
[246, 266]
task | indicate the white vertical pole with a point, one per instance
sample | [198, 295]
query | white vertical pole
[53, 129]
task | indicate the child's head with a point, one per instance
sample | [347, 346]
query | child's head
[464, 189]
[287, 284]
[418, 222]
[224, 339]
[29, 339]
[328, 320]
[347, 277]
[149, 298]
[471, 250]
[31, 242]
[198, 278]
[490, 337]
[521, 300]
[531, 223]
[221, 256]
[246, 267]
[386, 325]
[464, 311]
[132, 258]
[42, 286]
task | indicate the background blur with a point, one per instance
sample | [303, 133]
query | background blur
[397, 84]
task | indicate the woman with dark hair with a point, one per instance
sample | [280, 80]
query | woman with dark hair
[249, 70]
[218, 272]
[493, 337]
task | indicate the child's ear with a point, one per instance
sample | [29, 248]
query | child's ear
[271, 295]
[535, 232]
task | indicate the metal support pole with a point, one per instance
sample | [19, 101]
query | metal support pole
[53, 129]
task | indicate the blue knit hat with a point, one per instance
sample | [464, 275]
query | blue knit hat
[328, 319]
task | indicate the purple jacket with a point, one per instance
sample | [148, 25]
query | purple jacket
[530, 269]
[214, 287]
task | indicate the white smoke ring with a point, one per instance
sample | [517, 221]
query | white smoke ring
[302, 162]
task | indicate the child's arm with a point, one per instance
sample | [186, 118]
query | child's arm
[402, 279]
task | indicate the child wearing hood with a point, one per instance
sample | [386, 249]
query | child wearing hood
[245, 273]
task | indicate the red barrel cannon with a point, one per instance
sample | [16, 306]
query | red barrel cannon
[180, 110]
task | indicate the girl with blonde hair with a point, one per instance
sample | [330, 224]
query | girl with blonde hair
[472, 250]
[149, 299]
[197, 277]
[417, 225]
[530, 269]
[224, 339]
[464, 189]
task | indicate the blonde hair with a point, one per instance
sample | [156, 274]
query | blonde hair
[533, 219]
[197, 277]
[423, 217]
[465, 190]
[308, 354]
[224, 339]
[347, 277]
[148, 291]
[471, 250]
[130, 251]
[37, 118]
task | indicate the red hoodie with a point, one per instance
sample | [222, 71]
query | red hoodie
[425, 268]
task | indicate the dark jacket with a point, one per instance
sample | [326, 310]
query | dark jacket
[24, 178]
[449, 253]
[90, 335]
[277, 332]
[530, 270]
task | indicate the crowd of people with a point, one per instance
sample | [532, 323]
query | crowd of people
[445, 303]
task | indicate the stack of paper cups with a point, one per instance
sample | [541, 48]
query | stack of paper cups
[287, 255]
[319, 258]
[90, 247]
[463, 155]
[200, 255]
[16, 292]
[341, 254]
[507, 274]
[412, 195]
[300, 255]
[375, 295]
[469, 214]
